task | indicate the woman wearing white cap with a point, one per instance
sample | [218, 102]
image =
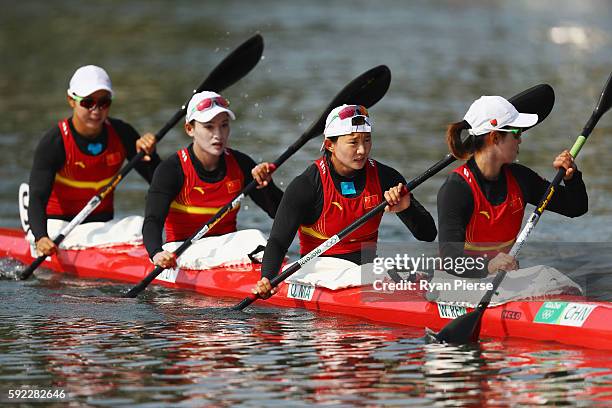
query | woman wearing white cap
[334, 191]
[189, 187]
[481, 204]
[81, 154]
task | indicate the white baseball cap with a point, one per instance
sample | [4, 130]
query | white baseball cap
[339, 122]
[206, 105]
[89, 79]
[490, 113]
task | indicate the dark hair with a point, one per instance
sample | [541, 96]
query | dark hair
[332, 139]
[358, 121]
[463, 150]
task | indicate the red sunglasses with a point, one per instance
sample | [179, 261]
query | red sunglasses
[209, 102]
[352, 110]
[91, 103]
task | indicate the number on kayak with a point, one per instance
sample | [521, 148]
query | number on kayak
[450, 311]
[300, 291]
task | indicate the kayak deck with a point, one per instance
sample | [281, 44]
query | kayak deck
[566, 319]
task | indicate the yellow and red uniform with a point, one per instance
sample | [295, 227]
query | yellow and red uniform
[83, 175]
[492, 228]
[198, 201]
[339, 211]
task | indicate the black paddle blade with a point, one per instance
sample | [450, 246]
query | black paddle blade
[603, 105]
[367, 89]
[538, 99]
[462, 330]
[235, 66]
[605, 100]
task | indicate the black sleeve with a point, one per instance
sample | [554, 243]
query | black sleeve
[296, 208]
[49, 158]
[418, 220]
[166, 185]
[570, 200]
[267, 198]
[129, 136]
[455, 207]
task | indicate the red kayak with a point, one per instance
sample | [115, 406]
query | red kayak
[566, 319]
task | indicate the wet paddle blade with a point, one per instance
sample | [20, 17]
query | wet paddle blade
[367, 89]
[462, 330]
[235, 66]
[539, 99]
[603, 105]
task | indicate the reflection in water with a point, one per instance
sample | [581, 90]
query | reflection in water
[185, 348]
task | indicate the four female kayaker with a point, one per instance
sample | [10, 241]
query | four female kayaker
[189, 187]
[80, 155]
[481, 204]
[340, 186]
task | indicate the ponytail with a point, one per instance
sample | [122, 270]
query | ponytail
[462, 150]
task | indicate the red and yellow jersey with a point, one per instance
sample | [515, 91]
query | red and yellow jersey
[198, 201]
[339, 211]
[493, 228]
[84, 175]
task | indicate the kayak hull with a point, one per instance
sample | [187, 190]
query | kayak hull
[566, 319]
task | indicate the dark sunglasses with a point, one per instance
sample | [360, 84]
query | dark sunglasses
[91, 103]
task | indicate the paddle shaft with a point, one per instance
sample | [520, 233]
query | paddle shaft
[366, 89]
[329, 243]
[537, 213]
[231, 69]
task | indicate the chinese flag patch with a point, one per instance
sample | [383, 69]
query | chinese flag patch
[370, 201]
[233, 186]
[113, 159]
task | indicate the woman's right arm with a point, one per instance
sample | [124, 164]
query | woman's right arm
[49, 158]
[297, 207]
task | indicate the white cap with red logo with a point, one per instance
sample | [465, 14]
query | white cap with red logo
[490, 113]
[339, 122]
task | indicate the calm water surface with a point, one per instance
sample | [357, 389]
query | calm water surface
[169, 347]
